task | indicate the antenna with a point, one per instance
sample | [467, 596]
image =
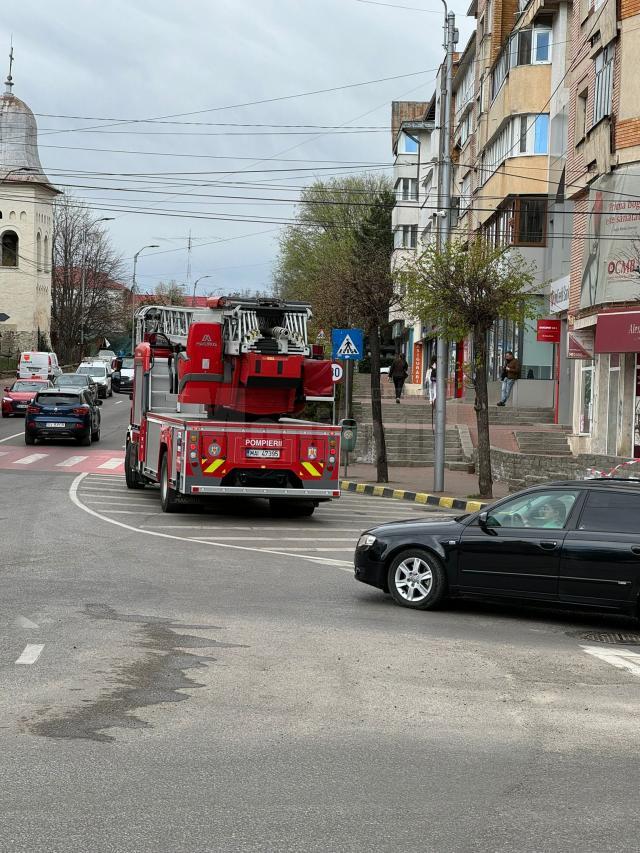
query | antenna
[9, 80]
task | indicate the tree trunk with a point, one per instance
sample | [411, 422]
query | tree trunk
[485, 479]
[382, 471]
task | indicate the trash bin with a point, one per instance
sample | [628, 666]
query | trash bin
[349, 434]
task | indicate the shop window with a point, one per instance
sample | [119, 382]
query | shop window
[10, 245]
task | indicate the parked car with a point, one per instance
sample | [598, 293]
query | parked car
[63, 413]
[38, 365]
[77, 381]
[17, 396]
[108, 356]
[122, 377]
[101, 375]
[565, 543]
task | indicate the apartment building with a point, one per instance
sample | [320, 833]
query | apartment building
[603, 179]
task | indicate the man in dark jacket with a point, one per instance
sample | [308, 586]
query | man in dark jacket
[398, 373]
[510, 373]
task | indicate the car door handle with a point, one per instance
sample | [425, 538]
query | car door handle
[548, 546]
[635, 549]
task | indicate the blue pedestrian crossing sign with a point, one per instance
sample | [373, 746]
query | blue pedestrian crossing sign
[347, 344]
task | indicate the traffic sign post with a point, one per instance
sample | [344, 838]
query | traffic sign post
[347, 344]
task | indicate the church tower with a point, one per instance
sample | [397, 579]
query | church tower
[26, 228]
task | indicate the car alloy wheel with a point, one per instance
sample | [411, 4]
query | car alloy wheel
[417, 579]
[413, 579]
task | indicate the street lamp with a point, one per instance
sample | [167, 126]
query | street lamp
[133, 287]
[83, 277]
[15, 171]
[195, 284]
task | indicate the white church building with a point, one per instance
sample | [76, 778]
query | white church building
[26, 228]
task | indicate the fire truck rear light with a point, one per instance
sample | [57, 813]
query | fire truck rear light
[336, 494]
[193, 454]
[192, 447]
[195, 490]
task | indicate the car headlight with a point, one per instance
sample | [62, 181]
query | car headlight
[366, 540]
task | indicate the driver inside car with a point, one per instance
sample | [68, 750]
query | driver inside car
[551, 514]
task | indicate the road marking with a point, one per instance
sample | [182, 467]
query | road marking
[343, 565]
[285, 539]
[29, 460]
[619, 657]
[299, 528]
[72, 460]
[9, 437]
[27, 624]
[31, 653]
[115, 462]
[117, 402]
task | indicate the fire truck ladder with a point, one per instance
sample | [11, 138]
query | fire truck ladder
[168, 320]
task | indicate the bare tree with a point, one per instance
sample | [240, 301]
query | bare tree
[86, 299]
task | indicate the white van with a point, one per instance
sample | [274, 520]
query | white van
[38, 365]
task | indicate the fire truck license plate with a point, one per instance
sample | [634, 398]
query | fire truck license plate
[252, 453]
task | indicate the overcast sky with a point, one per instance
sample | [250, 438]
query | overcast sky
[121, 60]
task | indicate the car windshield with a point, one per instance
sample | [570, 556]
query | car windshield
[26, 386]
[92, 370]
[58, 399]
[72, 380]
[127, 364]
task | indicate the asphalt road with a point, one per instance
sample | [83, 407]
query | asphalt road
[212, 681]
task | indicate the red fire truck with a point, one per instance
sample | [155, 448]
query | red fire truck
[216, 401]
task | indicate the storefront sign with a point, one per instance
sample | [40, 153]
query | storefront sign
[580, 343]
[611, 262]
[618, 332]
[548, 331]
[559, 295]
[417, 364]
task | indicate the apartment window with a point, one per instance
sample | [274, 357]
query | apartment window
[521, 135]
[531, 221]
[407, 189]
[465, 129]
[530, 46]
[464, 94]
[406, 237]
[604, 83]
[581, 115]
[408, 144]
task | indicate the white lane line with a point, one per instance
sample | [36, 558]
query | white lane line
[15, 435]
[114, 462]
[117, 402]
[31, 653]
[284, 539]
[72, 460]
[29, 460]
[127, 512]
[343, 565]
[621, 658]
[255, 528]
[4, 452]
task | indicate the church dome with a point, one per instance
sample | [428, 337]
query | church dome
[19, 142]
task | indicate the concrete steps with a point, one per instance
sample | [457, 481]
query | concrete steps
[524, 416]
[413, 448]
[543, 442]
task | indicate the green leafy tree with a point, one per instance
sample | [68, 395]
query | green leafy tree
[464, 289]
[337, 257]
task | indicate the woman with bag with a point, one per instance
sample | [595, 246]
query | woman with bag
[431, 381]
[398, 373]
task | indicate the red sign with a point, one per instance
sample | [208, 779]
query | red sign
[580, 343]
[548, 331]
[416, 367]
[618, 332]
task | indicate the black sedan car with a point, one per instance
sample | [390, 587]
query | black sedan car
[77, 382]
[62, 413]
[566, 543]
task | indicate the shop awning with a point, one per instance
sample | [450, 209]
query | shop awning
[618, 332]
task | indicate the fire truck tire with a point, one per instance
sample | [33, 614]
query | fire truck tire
[168, 500]
[131, 476]
[291, 509]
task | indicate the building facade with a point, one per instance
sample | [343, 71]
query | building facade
[26, 231]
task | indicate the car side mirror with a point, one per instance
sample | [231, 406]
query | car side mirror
[483, 523]
[98, 402]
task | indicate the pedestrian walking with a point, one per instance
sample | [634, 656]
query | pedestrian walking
[510, 373]
[398, 373]
[431, 381]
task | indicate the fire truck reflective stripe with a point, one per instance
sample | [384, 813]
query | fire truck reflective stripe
[311, 469]
[214, 466]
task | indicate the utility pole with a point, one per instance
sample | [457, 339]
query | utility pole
[133, 299]
[444, 220]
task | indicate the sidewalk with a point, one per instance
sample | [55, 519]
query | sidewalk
[459, 485]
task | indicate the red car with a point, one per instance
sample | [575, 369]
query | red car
[17, 397]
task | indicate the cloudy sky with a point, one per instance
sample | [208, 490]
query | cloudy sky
[230, 174]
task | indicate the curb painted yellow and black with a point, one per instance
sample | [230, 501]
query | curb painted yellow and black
[414, 497]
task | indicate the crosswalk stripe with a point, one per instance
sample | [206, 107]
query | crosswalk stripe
[72, 460]
[619, 657]
[29, 460]
[114, 462]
